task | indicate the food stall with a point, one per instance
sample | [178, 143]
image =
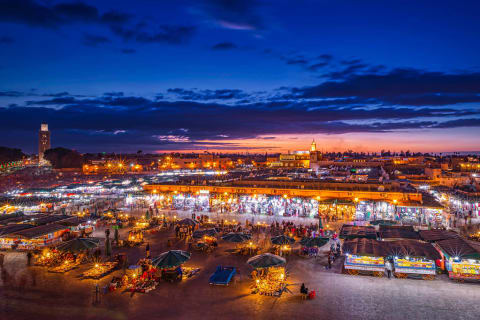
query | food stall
[135, 238]
[461, 258]
[282, 244]
[244, 244]
[169, 263]
[99, 270]
[365, 256]
[39, 237]
[269, 275]
[310, 246]
[47, 258]
[413, 258]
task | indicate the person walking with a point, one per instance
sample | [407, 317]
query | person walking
[388, 268]
[147, 249]
[29, 258]
[329, 260]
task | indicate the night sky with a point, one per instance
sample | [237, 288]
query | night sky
[241, 75]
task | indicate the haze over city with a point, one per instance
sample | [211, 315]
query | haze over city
[113, 76]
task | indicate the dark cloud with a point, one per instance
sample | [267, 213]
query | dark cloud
[224, 46]
[115, 18]
[163, 34]
[76, 11]
[92, 40]
[234, 14]
[312, 64]
[325, 57]
[128, 51]
[114, 94]
[11, 94]
[474, 122]
[58, 94]
[400, 86]
[6, 40]
[35, 13]
[201, 95]
[28, 12]
[125, 121]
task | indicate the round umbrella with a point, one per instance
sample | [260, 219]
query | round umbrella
[282, 240]
[187, 222]
[236, 237]
[314, 242]
[171, 259]
[266, 260]
[79, 244]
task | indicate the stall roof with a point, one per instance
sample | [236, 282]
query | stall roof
[350, 232]
[49, 219]
[4, 230]
[398, 232]
[10, 215]
[363, 246]
[413, 248]
[458, 247]
[437, 234]
[36, 232]
[72, 221]
[20, 219]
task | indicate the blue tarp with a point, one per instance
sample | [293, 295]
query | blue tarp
[222, 275]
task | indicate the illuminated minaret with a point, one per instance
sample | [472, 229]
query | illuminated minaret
[313, 146]
[43, 141]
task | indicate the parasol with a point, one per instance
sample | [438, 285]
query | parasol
[282, 240]
[236, 237]
[266, 260]
[171, 259]
[314, 242]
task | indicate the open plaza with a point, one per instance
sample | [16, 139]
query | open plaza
[157, 245]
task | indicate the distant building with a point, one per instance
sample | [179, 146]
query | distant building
[43, 141]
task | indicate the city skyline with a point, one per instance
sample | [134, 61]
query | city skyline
[257, 76]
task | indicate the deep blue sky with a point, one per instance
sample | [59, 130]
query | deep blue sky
[241, 74]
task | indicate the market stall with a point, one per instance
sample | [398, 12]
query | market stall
[48, 258]
[413, 258]
[461, 258]
[205, 240]
[99, 270]
[365, 256]
[135, 238]
[169, 263]
[310, 246]
[269, 275]
[282, 244]
[243, 243]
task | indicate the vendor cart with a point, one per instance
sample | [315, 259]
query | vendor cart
[365, 256]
